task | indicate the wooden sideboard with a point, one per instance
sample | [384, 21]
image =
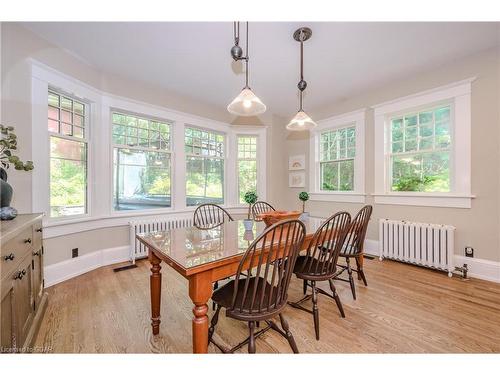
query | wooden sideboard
[23, 300]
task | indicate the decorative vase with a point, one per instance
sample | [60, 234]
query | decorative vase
[5, 189]
[248, 224]
[304, 216]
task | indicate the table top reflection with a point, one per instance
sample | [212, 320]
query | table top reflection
[193, 247]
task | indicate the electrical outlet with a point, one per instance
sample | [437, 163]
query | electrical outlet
[74, 252]
[469, 252]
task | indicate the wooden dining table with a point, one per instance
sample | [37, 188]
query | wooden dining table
[202, 256]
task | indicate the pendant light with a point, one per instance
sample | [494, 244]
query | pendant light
[246, 103]
[301, 121]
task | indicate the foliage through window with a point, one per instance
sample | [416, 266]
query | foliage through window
[142, 162]
[67, 119]
[204, 166]
[419, 151]
[247, 165]
[337, 153]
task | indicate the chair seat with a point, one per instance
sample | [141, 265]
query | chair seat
[224, 295]
[309, 272]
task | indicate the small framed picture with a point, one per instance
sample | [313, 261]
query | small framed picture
[297, 179]
[297, 162]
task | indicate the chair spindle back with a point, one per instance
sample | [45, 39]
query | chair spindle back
[271, 257]
[209, 214]
[355, 238]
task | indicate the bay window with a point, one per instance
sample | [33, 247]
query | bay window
[205, 152]
[142, 163]
[246, 165]
[68, 136]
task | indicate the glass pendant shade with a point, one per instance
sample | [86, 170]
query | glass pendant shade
[246, 104]
[300, 122]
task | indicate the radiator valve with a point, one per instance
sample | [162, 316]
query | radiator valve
[463, 270]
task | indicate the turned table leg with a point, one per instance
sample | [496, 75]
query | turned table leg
[155, 287]
[200, 290]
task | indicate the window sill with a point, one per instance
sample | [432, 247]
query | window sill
[68, 226]
[426, 200]
[345, 196]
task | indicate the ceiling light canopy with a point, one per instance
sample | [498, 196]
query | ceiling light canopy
[246, 103]
[301, 121]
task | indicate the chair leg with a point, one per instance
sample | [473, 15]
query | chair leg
[361, 274]
[351, 279]
[358, 266]
[216, 285]
[304, 287]
[289, 336]
[315, 308]
[337, 298]
[251, 341]
[213, 323]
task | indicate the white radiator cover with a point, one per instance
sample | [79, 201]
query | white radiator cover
[137, 249]
[428, 245]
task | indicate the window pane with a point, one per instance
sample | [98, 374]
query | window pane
[425, 166]
[141, 179]
[204, 180]
[338, 144]
[426, 172]
[346, 175]
[141, 132]
[68, 175]
[247, 174]
[329, 176]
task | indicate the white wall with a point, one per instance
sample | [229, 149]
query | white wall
[477, 227]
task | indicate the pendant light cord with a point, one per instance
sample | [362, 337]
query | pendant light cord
[246, 61]
[301, 68]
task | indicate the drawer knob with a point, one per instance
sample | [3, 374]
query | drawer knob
[19, 275]
[39, 230]
[36, 253]
[11, 256]
[27, 240]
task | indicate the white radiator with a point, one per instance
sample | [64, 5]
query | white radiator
[428, 245]
[137, 249]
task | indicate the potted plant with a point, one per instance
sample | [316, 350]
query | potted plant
[304, 197]
[8, 145]
[250, 198]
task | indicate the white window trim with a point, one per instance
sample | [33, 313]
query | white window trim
[100, 153]
[261, 133]
[42, 81]
[356, 118]
[113, 146]
[459, 95]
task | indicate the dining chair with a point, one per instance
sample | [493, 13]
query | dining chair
[320, 263]
[259, 208]
[262, 296]
[209, 214]
[353, 247]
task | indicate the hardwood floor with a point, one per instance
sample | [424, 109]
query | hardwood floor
[404, 309]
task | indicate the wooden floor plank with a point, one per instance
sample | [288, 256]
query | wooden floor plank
[404, 309]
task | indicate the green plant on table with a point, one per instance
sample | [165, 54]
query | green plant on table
[250, 198]
[304, 197]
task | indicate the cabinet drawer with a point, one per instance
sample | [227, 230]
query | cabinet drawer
[13, 251]
[37, 236]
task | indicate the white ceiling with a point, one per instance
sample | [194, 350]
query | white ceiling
[341, 59]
